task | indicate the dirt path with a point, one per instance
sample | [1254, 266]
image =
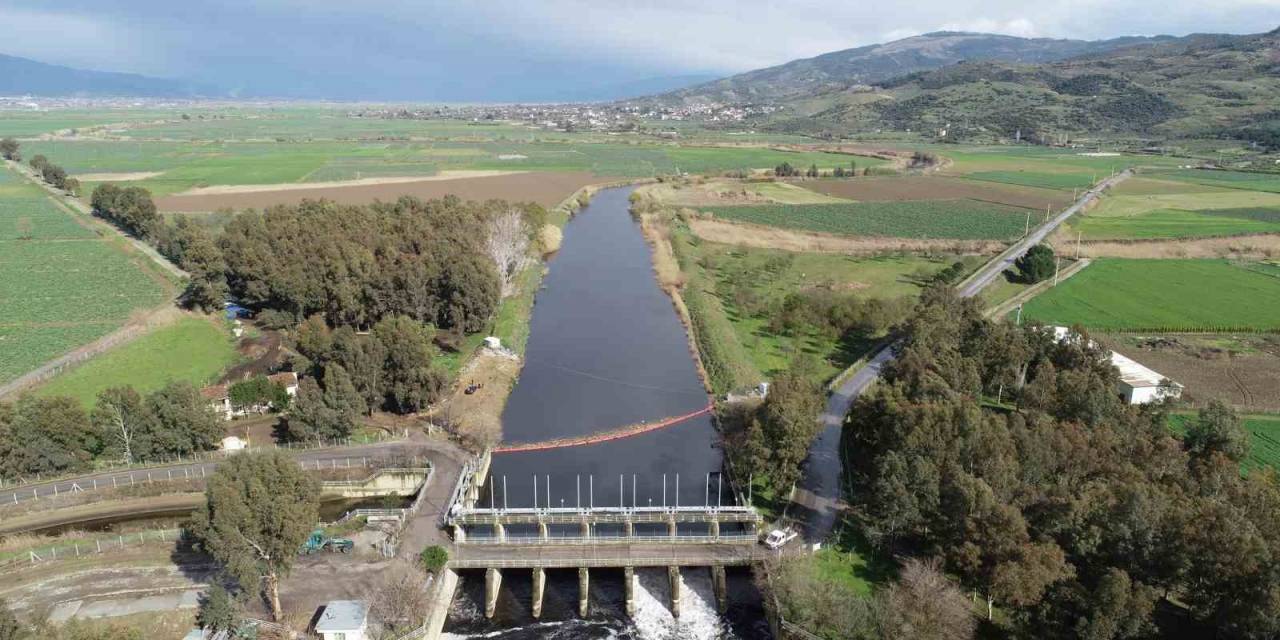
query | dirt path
[763, 237]
[362, 182]
[1252, 246]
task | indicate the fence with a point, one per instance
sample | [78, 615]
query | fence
[51, 490]
[79, 548]
[197, 458]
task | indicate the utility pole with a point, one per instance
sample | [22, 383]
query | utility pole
[1057, 266]
[1079, 234]
[1018, 320]
[1026, 230]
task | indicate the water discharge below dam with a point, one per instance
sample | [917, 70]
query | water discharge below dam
[607, 349]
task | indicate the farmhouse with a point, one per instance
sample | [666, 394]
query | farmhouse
[219, 396]
[1138, 384]
[343, 620]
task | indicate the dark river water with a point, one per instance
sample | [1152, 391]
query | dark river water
[606, 349]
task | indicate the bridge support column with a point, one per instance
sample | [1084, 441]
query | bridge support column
[672, 529]
[492, 582]
[584, 598]
[459, 533]
[673, 574]
[500, 531]
[718, 586]
[629, 581]
[715, 529]
[539, 584]
[629, 528]
[543, 532]
[586, 530]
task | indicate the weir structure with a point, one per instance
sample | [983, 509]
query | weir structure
[585, 537]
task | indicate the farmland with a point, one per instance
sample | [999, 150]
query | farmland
[1165, 209]
[1269, 182]
[1264, 438]
[63, 286]
[184, 165]
[929, 219]
[875, 189]
[1163, 295]
[1036, 179]
[193, 350]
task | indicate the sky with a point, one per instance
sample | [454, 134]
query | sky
[535, 50]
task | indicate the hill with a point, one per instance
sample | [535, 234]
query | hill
[20, 76]
[1201, 85]
[872, 64]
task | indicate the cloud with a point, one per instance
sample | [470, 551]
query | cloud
[541, 50]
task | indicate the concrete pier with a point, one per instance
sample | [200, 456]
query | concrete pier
[492, 583]
[500, 531]
[586, 530]
[719, 587]
[673, 574]
[539, 585]
[672, 529]
[543, 531]
[715, 529]
[629, 580]
[584, 598]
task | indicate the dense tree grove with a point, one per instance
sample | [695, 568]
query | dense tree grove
[129, 208]
[55, 435]
[51, 173]
[1078, 513]
[777, 435]
[358, 264]
[350, 374]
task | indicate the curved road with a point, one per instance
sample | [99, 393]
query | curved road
[819, 493]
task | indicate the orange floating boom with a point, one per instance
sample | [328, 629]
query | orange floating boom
[603, 436]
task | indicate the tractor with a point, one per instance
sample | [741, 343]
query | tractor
[318, 542]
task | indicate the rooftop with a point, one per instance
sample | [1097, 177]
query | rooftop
[1135, 374]
[342, 615]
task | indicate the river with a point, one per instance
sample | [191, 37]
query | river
[607, 349]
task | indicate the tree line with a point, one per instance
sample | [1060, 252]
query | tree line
[787, 170]
[52, 435]
[52, 174]
[1008, 455]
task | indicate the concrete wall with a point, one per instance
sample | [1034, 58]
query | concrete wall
[384, 482]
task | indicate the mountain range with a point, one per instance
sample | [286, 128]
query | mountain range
[966, 86]
[20, 76]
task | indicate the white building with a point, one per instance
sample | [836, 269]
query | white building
[1140, 385]
[344, 620]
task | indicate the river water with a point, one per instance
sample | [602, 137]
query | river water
[606, 349]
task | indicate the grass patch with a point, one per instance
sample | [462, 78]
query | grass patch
[852, 561]
[1229, 179]
[928, 219]
[193, 350]
[1163, 295]
[1264, 438]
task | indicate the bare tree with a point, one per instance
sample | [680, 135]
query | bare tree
[400, 598]
[924, 605]
[508, 245]
[120, 416]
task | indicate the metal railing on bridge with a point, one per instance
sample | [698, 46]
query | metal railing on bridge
[729, 538]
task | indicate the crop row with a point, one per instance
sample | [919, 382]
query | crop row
[929, 219]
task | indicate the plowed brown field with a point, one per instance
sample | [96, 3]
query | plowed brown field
[896, 188]
[545, 188]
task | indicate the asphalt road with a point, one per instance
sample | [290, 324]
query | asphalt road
[819, 493]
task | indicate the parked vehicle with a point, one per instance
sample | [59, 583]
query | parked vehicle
[318, 542]
[780, 537]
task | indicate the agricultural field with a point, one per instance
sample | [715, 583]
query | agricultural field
[14, 123]
[910, 187]
[193, 349]
[63, 286]
[1247, 181]
[1164, 209]
[1264, 438]
[183, 165]
[1240, 369]
[1163, 295]
[924, 219]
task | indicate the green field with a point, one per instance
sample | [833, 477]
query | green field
[185, 165]
[63, 286]
[1165, 295]
[1229, 179]
[1264, 438]
[1177, 223]
[933, 219]
[193, 349]
[1036, 179]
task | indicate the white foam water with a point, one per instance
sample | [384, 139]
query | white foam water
[698, 617]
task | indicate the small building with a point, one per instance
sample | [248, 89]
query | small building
[493, 342]
[219, 400]
[1140, 385]
[343, 620]
[288, 380]
[234, 443]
